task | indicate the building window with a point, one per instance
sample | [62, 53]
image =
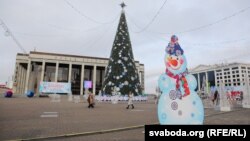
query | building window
[226, 69]
[202, 79]
[211, 78]
[234, 68]
[63, 72]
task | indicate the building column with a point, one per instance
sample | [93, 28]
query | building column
[215, 78]
[82, 80]
[105, 69]
[22, 82]
[56, 73]
[241, 78]
[21, 77]
[69, 76]
[199, 87]
[17, 76]
[42, 71]
[231, 76]
[27, 76]
[223, 79]
[94, 79]
[140, 77]
[247, 75]
[70, 72]
[138, 72]
[206, 77]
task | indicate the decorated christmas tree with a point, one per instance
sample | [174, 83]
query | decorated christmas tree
[121, 73]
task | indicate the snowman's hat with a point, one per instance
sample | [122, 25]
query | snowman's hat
[173, 47]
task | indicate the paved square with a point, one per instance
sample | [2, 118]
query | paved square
[24, 118]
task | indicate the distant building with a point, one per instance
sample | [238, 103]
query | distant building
[36, 67]
[232, 74]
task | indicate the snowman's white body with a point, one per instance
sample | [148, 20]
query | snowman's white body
[171, 108]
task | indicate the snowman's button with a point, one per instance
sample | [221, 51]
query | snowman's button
[179, 112]
[192, 114]
[194, 102]
[163, 115]
[174, 105]
[172, 94]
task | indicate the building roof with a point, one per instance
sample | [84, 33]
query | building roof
[215, 66]
[68, 55]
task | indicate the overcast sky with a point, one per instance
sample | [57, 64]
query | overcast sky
[209, 31]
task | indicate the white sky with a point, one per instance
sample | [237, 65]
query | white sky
[55, 26]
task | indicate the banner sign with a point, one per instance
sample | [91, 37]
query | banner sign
[54, 87]
[87, 84]
[197, 132]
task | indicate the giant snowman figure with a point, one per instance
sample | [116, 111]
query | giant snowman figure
[179, 103]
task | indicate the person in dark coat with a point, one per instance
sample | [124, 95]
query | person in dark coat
[91, 100]
[215, 96]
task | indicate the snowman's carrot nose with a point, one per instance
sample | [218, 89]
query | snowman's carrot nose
[173, 62]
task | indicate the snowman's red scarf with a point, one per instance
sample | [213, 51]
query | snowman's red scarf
[180, 77]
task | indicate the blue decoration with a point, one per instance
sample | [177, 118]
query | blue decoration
[178, 103]
[30, 93]
[8, 94]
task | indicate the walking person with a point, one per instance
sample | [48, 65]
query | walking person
[130, 100]
[215, 98]
[91, 100]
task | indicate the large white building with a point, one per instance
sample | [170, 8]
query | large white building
[36, 67]
[232, 74]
